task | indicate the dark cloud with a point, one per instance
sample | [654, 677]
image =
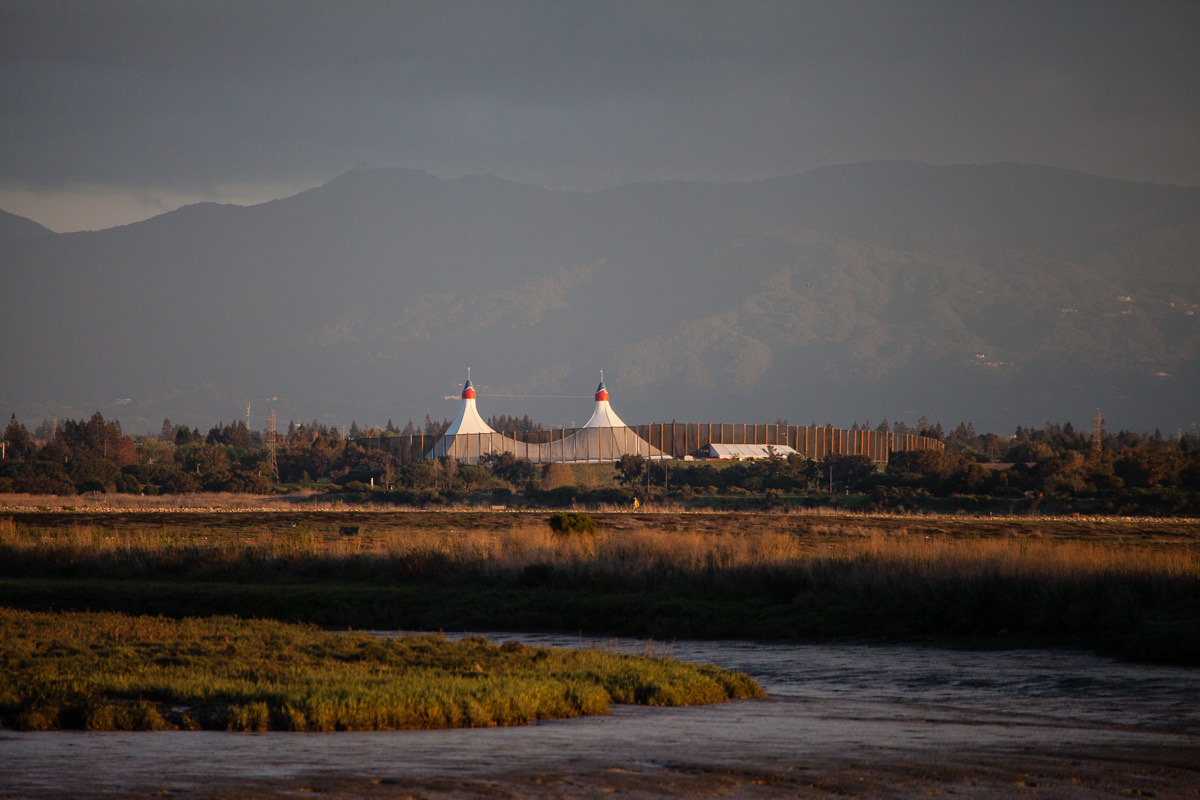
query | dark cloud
[186, 95]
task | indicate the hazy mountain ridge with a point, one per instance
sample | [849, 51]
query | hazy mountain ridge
[16, 227]
[999, 293]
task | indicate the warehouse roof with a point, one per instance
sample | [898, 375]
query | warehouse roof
[746, 451]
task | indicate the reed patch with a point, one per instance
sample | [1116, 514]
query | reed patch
[95, 671]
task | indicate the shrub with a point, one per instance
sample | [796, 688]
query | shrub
[568, 522]
[562, 497]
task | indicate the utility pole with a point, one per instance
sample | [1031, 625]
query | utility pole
[272, 438]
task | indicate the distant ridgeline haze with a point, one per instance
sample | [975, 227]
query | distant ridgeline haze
[1001, 294]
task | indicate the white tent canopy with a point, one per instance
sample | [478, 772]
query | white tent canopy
[468, 436]
[604, 437]
[468, 419]
[603, 416]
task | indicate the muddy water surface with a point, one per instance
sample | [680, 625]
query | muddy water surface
[863, 720]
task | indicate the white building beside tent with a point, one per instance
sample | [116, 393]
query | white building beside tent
[744, 452]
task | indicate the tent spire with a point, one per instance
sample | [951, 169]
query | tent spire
[603, 416]
[601, 390]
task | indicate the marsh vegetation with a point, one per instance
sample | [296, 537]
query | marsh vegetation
[1125, 587]
[117, 672]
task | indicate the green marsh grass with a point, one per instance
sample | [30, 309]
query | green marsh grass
[103, 671]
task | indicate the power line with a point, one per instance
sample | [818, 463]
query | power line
[552, 396]
[544, 396]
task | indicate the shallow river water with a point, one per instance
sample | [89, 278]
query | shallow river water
[833, 710]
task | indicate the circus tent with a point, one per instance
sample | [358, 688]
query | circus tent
[603, 416]
[468, 436]
[604, 437]
[468, 419]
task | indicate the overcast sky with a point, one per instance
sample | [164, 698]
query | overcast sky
[115, 111]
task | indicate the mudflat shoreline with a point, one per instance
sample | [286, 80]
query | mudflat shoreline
[1105, 772]
[898, 721]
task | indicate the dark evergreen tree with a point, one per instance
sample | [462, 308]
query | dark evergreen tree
[18, 444]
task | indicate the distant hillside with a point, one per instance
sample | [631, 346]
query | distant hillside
[14, 227]
[1002, 294]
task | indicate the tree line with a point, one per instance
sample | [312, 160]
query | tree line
[1054, 467]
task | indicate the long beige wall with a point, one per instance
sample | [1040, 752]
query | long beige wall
[679, 439]
[571, 445]
[675, 439]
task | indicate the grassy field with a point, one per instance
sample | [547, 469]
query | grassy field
[117, 672]
[1129, 587]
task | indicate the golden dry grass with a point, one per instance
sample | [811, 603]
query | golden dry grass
[1128, 586]
[632, 549]
[201, 501]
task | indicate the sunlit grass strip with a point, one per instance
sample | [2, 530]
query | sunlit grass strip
[117, 672]
[267, 553]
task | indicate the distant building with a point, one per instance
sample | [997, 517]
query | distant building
[604, 437]
[746, 452]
